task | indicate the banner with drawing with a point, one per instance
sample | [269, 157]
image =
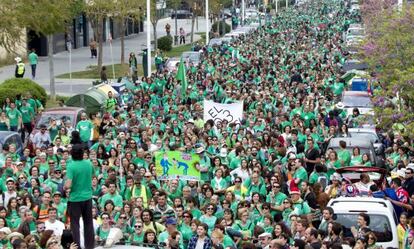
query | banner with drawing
[233, 113]
[176, 165]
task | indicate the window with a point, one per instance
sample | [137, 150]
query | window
[379, 224]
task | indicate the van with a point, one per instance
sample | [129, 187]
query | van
[383, 220]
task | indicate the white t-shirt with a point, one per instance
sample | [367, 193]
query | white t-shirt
[56, 226]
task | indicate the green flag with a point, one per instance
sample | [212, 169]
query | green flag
[181, 75]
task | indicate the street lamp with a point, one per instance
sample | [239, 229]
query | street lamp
[207, 28]
[243, 12]
[148, 37]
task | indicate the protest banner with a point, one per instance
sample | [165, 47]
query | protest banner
[176, 165]
[233, 113]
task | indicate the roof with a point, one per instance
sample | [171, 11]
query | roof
[356, 93]
[350, 142]
[62, 109]
[369, 204]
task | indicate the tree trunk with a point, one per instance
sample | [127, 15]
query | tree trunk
[100, 42]
[51, 69]
[193, 19]
[154, 29]
[122, 38]
[176, 28]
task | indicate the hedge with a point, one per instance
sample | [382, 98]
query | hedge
[165, 43]
[14, 86]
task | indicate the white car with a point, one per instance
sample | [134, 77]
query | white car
[354, 35]
[357, 99]
[383, 220]
[368, 134]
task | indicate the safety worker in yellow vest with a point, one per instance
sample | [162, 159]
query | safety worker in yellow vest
[20, 69]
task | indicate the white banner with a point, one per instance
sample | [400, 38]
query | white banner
[233, 113]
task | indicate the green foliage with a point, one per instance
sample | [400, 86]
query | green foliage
[222, 24]
[12, 87]
[389, 51]
[165, 43]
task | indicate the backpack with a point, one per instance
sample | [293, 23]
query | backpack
[323, 180]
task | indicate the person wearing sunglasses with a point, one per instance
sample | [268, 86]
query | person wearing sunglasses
[137, 237]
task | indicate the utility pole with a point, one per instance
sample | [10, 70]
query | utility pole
[149, 37]
[207, 26]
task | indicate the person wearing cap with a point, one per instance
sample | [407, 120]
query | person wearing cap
[60, 205]
[300, 207]
[333, 189]
[205, 163]
[11, 191]
[171, 227]
[20, 68]
[265, 239]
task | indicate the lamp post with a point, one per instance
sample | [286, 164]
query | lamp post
[149, 37]
[243, 12]
[287, 1]
[207, 26]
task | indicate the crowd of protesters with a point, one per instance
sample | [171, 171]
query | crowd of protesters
[265, 182]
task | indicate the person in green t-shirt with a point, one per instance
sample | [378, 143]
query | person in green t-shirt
[15, 117]
[344, 156]
[33, 60]
[85, 128]
[79, 174]
[28, 115]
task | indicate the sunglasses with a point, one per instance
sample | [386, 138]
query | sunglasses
[276, 186]
[210, 208]
[186, 216]
[138, 226]
[122, 217]
[286, 202]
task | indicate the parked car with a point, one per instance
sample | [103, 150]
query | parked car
[368, 134]
[383, 220]
[60, 114]
[11, 137]
[182, 14]
[193, 57]
[354, 64]
[358, 99]
[172, 64]
[365, 146]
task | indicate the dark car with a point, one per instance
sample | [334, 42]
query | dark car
[60, 114]
[182, 14]
[11, 137]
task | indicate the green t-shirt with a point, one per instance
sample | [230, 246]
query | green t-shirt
[27, 114]
[85, 128]
[14, 116]
[80, 172]
[345, 156]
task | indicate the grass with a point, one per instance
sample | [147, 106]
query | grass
[121, 70]
[55, 103]
[92, 72]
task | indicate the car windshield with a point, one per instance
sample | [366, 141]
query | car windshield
[357, 101]
[46, 117]
[365, 136]
[362, 151]
[193, 57]
[379, 224]
[356, 176]
[356, 32]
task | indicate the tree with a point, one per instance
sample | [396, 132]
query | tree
[97, 11]
[11, 34]
[47, 17]
[155, 17]
[126, 10]
[389, 51]
[174, 4]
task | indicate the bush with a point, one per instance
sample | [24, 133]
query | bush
[16, 86]
[165, 43]
[222, 24]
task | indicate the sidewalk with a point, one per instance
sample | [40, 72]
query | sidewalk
[81, 58]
